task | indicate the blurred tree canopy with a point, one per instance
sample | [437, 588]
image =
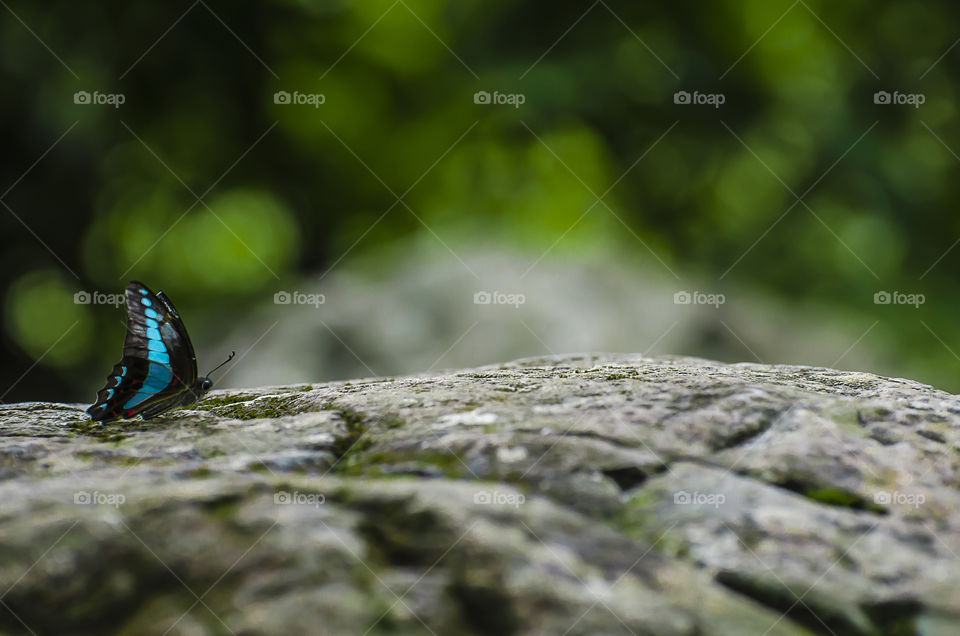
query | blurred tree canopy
[201, 179]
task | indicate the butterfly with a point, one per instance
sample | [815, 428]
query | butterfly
[158, 371]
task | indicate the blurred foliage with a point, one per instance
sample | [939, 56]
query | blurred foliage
[201, 183]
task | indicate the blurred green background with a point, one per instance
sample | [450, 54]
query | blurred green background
[201, 184]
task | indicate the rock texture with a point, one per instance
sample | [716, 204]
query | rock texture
[608, 494]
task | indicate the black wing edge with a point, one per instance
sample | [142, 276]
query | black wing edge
[184, 336]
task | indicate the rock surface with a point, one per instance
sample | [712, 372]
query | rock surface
[606, 494]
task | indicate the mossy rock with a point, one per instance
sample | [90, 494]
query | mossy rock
[582, 494]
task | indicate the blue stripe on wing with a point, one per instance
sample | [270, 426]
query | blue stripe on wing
[159, 375]
[158, 379]
[162, 358]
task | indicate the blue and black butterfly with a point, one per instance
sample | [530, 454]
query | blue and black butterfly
[158, 370]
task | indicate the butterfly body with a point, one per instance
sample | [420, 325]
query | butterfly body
[158, 371]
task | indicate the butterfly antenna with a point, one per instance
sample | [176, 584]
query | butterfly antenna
[229, 358]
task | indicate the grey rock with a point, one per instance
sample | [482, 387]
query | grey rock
[591, 494]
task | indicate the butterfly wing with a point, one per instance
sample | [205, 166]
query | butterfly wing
[182, 355]
[158, 361]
